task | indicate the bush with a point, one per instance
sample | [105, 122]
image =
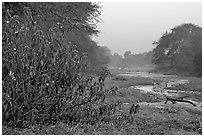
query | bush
[41, 74]
[43, 80]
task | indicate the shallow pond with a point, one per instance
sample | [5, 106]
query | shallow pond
[145, 74]
[160, 91]
[171, 81]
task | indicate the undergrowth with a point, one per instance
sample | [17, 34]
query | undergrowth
[43, 80]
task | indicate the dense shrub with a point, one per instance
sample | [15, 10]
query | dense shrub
[40, 72]
[43, 80]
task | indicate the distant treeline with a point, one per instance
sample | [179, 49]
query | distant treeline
[178, 51]
[131, 60]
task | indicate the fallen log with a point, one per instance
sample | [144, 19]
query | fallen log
[173, 100]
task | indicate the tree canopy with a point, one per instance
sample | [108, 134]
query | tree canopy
[44, 79]
[76, 22]
[131, 60]
[180, 49]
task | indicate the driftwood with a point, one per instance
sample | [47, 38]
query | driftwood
[180, 99]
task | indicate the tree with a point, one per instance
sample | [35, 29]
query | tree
[177, 49]
[71, 15]
[127, 53]
[198, 64]
[131, 60]
[161, 49]
[43, 81]
[102, 55]
[76, 22]
[116, 60]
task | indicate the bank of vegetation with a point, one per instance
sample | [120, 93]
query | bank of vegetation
[180, 50]
[49, 63]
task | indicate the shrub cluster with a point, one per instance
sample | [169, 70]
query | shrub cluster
[43, 80]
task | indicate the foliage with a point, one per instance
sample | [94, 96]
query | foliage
[198, 64]
[101, 56]
[180, 49]
[44, 81]
[76, 22]
[131, 60]
[116, 60]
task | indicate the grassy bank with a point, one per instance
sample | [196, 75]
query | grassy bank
[126, 81]
[175, 71]
[195, 84]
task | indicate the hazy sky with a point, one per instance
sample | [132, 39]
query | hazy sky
[134, 25]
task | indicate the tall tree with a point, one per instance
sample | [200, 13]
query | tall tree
[76, 22]
[177, 49]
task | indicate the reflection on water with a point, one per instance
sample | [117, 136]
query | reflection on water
[145, 74]
[171, 93]
[161, 91]
[171, 81]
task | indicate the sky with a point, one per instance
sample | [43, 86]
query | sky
[135, 26]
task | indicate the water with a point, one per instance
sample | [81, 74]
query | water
[159, 91]
[170, 93]
[171, 80]
[146, 74]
